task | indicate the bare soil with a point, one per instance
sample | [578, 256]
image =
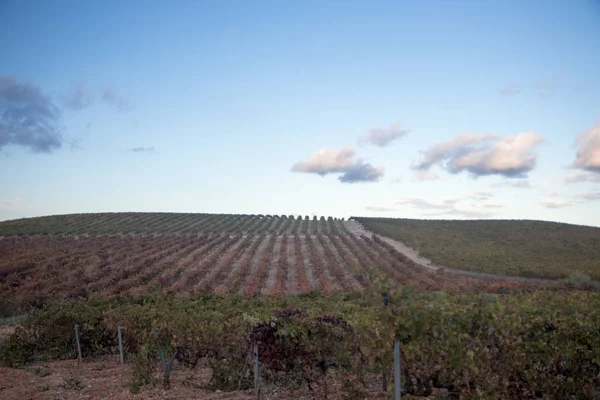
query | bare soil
[104, 378]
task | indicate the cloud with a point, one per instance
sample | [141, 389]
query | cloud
[110, 96]
[492, 205]
[421, 203]
[467, 213]
[521, 183]
[480, 195]
[454, 205]
[397, 180]
[361, 172]
[593, 196]
[588, 151]
[556, 203]
[342, 161]
[380, 209]
[11, 202]
[510, 90]
[326, 161]
[446, 207]
[423, 176]
[581, 176]
[28, 118]
[142, 149]
[509, 156]
[79, 98]
[383, 136]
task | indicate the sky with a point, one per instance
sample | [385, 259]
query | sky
[453, 109]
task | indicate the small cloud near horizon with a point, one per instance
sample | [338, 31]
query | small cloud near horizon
[592, 196]
[454, 205]
[141, 149]
[581, 177]
[382, 137]
[521, 183]
[341, 161]
[11, 202]
[556, 203]
[380, 209]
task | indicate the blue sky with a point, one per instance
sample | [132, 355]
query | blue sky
[466, 109]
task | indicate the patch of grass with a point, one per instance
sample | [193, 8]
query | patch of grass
[43, 388]
[11, 321]
[526, 248]
[578, 280]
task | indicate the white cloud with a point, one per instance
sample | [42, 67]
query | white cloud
[492, 205]
[592, 196]
[342, 161]
[383, 136]
[520, 183]
[556, 203]
[380, 208]
[452, 205]
[423, 176]
[509, 156]
[588, 151]
[11, 202]
[326, 161]
[581, 176]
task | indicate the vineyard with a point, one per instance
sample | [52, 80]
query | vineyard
[69, 267]
[168, 223]
[321, 302]
[536, 249]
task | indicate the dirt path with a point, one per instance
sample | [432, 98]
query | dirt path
[356, 228]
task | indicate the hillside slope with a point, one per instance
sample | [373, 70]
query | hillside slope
[509, 247]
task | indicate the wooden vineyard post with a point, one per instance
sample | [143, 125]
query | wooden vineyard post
[160, 351]
[119, 329]
[78, 344]
[397, 382]
[257, 387]
[162, 358]
[120, 337]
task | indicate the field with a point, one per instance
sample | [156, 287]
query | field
[167, 223]
[202, 289]
[514, 248]
[271, 256]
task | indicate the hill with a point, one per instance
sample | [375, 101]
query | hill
[190, 254]
[166, 223]
[509, 247]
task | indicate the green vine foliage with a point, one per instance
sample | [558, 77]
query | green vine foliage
[478, 346]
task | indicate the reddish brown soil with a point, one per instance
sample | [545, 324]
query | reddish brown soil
[105, 379]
